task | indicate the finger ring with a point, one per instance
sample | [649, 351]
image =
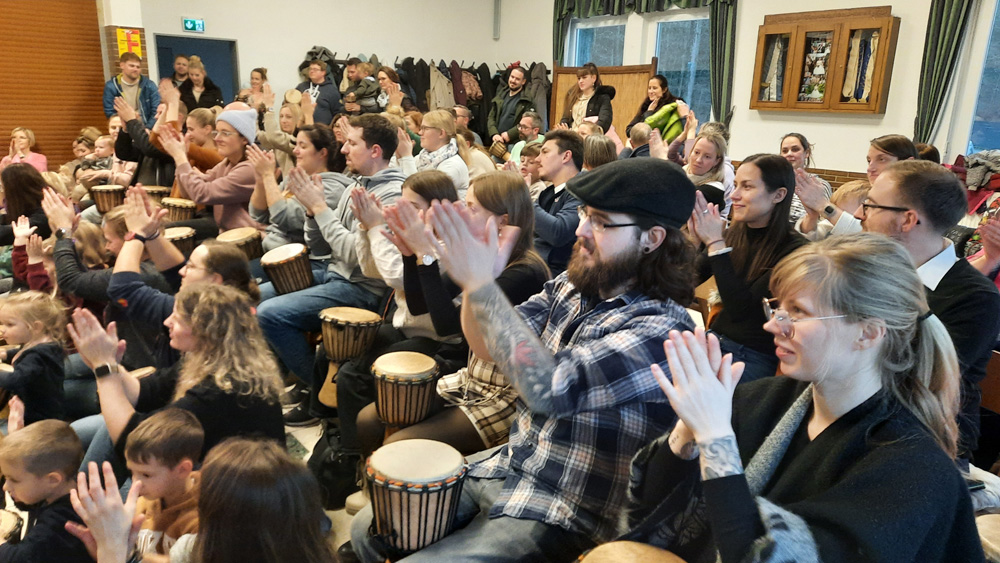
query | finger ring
[704, 212]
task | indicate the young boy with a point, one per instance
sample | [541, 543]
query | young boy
[161, 452]
[40, 463]
[365, 91]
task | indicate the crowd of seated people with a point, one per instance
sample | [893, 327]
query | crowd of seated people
[830, 409]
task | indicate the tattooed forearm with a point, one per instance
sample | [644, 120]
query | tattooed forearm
[720, 458]
[684, 450]
[515, 348]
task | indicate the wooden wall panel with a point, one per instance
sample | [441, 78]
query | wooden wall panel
[630, 88]
[51, 75]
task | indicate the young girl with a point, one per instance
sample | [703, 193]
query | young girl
[34, 321]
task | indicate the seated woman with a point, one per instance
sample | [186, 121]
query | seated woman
[280, 134]
[228, 186]
[392, 94]
[598, 150]
[484, 398]
[198, 91]
[657, 95]
[23, 189]
[798, 152]
[849, 457]
[706, 168]
[227, 376]
[442, 150]
[588, 98]
[480, 162]
[316, 152]
[22, 140]
[742, 256]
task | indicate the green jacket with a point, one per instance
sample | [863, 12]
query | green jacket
[524, 104]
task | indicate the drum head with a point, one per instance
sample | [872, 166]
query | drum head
[417, 461]
[178, 202]
[349, 315]
[404, 365]
[174, 233]
[239, 234]
[293, 96]
[283, 253]
[108, 188]
[156, 189]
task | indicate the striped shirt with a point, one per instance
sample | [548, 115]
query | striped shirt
[570, 468]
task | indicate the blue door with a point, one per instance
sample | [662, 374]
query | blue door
[218, 55]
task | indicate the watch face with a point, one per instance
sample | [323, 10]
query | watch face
[428, 259]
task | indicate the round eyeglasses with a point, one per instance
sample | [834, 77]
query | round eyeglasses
[786, 323]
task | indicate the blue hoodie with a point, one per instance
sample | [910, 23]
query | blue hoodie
[149, 99]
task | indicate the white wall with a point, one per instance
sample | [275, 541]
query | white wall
[842, 140]
[277, 36]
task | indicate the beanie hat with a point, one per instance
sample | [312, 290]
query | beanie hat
[243, 120]
[649, 188]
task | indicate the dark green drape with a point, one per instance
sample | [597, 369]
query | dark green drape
[946, 28]
[722, 19]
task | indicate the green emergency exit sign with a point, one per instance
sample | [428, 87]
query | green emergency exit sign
[194, 25]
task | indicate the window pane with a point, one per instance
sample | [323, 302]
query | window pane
[986, 122]
[682, 48]
[602, 46]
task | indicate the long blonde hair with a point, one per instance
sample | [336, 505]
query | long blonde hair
[715, 174]
[445, 121]
[870, 277]
[230, 347]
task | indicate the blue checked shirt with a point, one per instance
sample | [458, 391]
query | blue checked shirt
[570, 468]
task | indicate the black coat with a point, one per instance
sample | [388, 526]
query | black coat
[211, 97]
[599, 105]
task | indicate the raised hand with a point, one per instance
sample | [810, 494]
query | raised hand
[811, 191]
[657, 149]
[173, 143]
[404, 144]
[395, 95]
[125, 111]
[308, 106]
[308, 191]
[58, 209]
[468, 259]
[263, 161]
[389, 214]
[35, 249]
[267, 96]
[139, 218]
[407, 223]
[111, 526]
[96, 345]
[366, 208]
[706, 222]
[15, 418]
[22, 230]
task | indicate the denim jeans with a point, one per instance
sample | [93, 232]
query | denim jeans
[98, 447]
[756, 365]
[286, 318]
[477, 537]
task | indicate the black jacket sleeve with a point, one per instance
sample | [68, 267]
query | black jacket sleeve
[76, 279]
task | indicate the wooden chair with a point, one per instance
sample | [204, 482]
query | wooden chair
[701, 296]
[990, 385]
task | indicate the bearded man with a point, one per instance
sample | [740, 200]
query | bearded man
[579, 354]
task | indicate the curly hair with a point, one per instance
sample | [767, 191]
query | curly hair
[37, 307]
[229, 345]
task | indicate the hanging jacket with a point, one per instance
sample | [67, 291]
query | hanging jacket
[421, 82]
[537, 89]
[405, 72]
[457, 87]
[316, 53]
[485, 77]
[472, 91]
[441, 92]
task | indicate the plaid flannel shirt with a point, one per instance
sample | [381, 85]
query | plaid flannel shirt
[570, 468]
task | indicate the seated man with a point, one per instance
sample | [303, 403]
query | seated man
[916, 202]
[639, 139]
[579, 354]
[560, 159]
[286, 318]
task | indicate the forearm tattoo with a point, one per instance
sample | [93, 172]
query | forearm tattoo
[684, 450]
[720, 458]
[515, 348]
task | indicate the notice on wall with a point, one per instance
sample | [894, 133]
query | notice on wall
[129, 41]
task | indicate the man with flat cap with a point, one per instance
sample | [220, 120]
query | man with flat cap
[579, 354]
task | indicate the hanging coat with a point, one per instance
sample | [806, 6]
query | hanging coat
[485, 77]
[442, 92]
[457, 88]
[421, 82]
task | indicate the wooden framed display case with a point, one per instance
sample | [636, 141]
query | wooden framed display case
[828, 61]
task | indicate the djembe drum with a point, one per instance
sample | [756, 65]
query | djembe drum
[178, 209]
[288, 267]
[157, 193]
[107, 198]
[348, 333]
[182, 237]
[248, 239]
[405, 387]
[499, 150]
[415, 488]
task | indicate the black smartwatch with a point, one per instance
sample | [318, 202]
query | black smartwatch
[105, 370]
[62, 233]
[829, 210]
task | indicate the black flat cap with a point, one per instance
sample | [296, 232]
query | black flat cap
[642, 187]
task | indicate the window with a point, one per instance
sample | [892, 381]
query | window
[600, 41]
[985, 133]
[682, 49]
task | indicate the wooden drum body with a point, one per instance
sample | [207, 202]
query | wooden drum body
[405, 387]
[157, 193]
[415, 488]
[178, 209]
[288, 267]
[248, 239]
[348, 333]
[182, 237]
[107, 197]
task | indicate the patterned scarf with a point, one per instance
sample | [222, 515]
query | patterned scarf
[431, 160]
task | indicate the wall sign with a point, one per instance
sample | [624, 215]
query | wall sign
[194, 25]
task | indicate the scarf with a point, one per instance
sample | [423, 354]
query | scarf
[431, 160]
[710, 176]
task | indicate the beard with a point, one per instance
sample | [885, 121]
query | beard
[599, 275]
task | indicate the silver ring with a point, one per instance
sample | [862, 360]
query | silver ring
[704, 212]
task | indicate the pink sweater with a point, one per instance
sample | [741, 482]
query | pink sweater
[226, 187]
[35, 159]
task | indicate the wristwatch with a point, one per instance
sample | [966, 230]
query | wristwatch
[829, 210]
[132, 235]
[428, 259]
[105, 370]
[62, 233]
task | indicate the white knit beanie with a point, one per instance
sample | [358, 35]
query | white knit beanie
[243, 120]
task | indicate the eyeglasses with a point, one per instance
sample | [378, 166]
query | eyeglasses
[866, 205]
[426, 128]
[786, 323]
[225, 134]
[598, 225]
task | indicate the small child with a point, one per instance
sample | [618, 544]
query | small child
[365, 91]
[529, 170]
[40, 463]
[161, 452]
[36, 322]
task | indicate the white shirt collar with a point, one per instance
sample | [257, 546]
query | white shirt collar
[933, 271]
[559, 188]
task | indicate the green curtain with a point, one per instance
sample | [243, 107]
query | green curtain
[946, 28]
[722, 19]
